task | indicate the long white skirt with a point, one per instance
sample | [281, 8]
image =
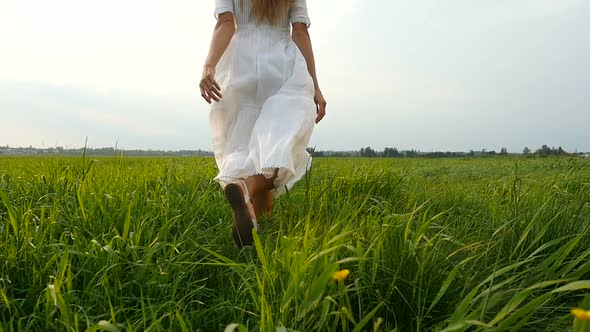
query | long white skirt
[267, 114]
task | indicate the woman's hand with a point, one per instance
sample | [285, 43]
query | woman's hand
[210, 90]
[320, 104]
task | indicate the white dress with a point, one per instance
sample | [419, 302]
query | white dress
[267, 114]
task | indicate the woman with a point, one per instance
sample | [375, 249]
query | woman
[260, 78]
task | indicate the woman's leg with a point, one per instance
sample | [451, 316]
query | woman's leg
[243, 208]
[259, 183]
[260, 188]
[263, 203]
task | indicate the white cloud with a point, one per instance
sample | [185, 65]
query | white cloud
[330, 15]
[142, 46]
[53, 113]
[488, 14]
[399, 62]
[543, 8]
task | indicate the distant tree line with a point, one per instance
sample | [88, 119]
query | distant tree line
[544, 150]
[388, 152]
[366, 152]
[7, 150]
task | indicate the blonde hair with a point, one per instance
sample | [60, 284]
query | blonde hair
[271, 11]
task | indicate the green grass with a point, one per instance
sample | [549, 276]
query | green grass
[137, 244]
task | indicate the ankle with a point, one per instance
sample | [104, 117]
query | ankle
[270, 184]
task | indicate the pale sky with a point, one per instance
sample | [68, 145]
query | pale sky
[449, 75]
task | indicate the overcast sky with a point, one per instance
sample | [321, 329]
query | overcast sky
[427, 75]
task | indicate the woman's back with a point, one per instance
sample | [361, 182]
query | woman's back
[271, 101]
[244, 18]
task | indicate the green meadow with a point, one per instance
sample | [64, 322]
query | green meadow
[143, 244]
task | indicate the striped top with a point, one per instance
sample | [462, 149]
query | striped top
[242, 12]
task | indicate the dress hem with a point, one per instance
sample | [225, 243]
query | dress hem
[268, 172]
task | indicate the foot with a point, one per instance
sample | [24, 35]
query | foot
[244, 219]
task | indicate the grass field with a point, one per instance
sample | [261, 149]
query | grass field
[135, 244]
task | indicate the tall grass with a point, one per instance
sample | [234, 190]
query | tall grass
[134, 244]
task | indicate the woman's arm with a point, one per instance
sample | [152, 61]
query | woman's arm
[303, 41]
[222, 35]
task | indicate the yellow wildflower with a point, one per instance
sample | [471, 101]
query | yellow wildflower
[581, 314]
[341, 275]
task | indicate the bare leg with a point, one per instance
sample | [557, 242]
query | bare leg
[243, 207]
[259, 188]
[258, 183]
[263, 204]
